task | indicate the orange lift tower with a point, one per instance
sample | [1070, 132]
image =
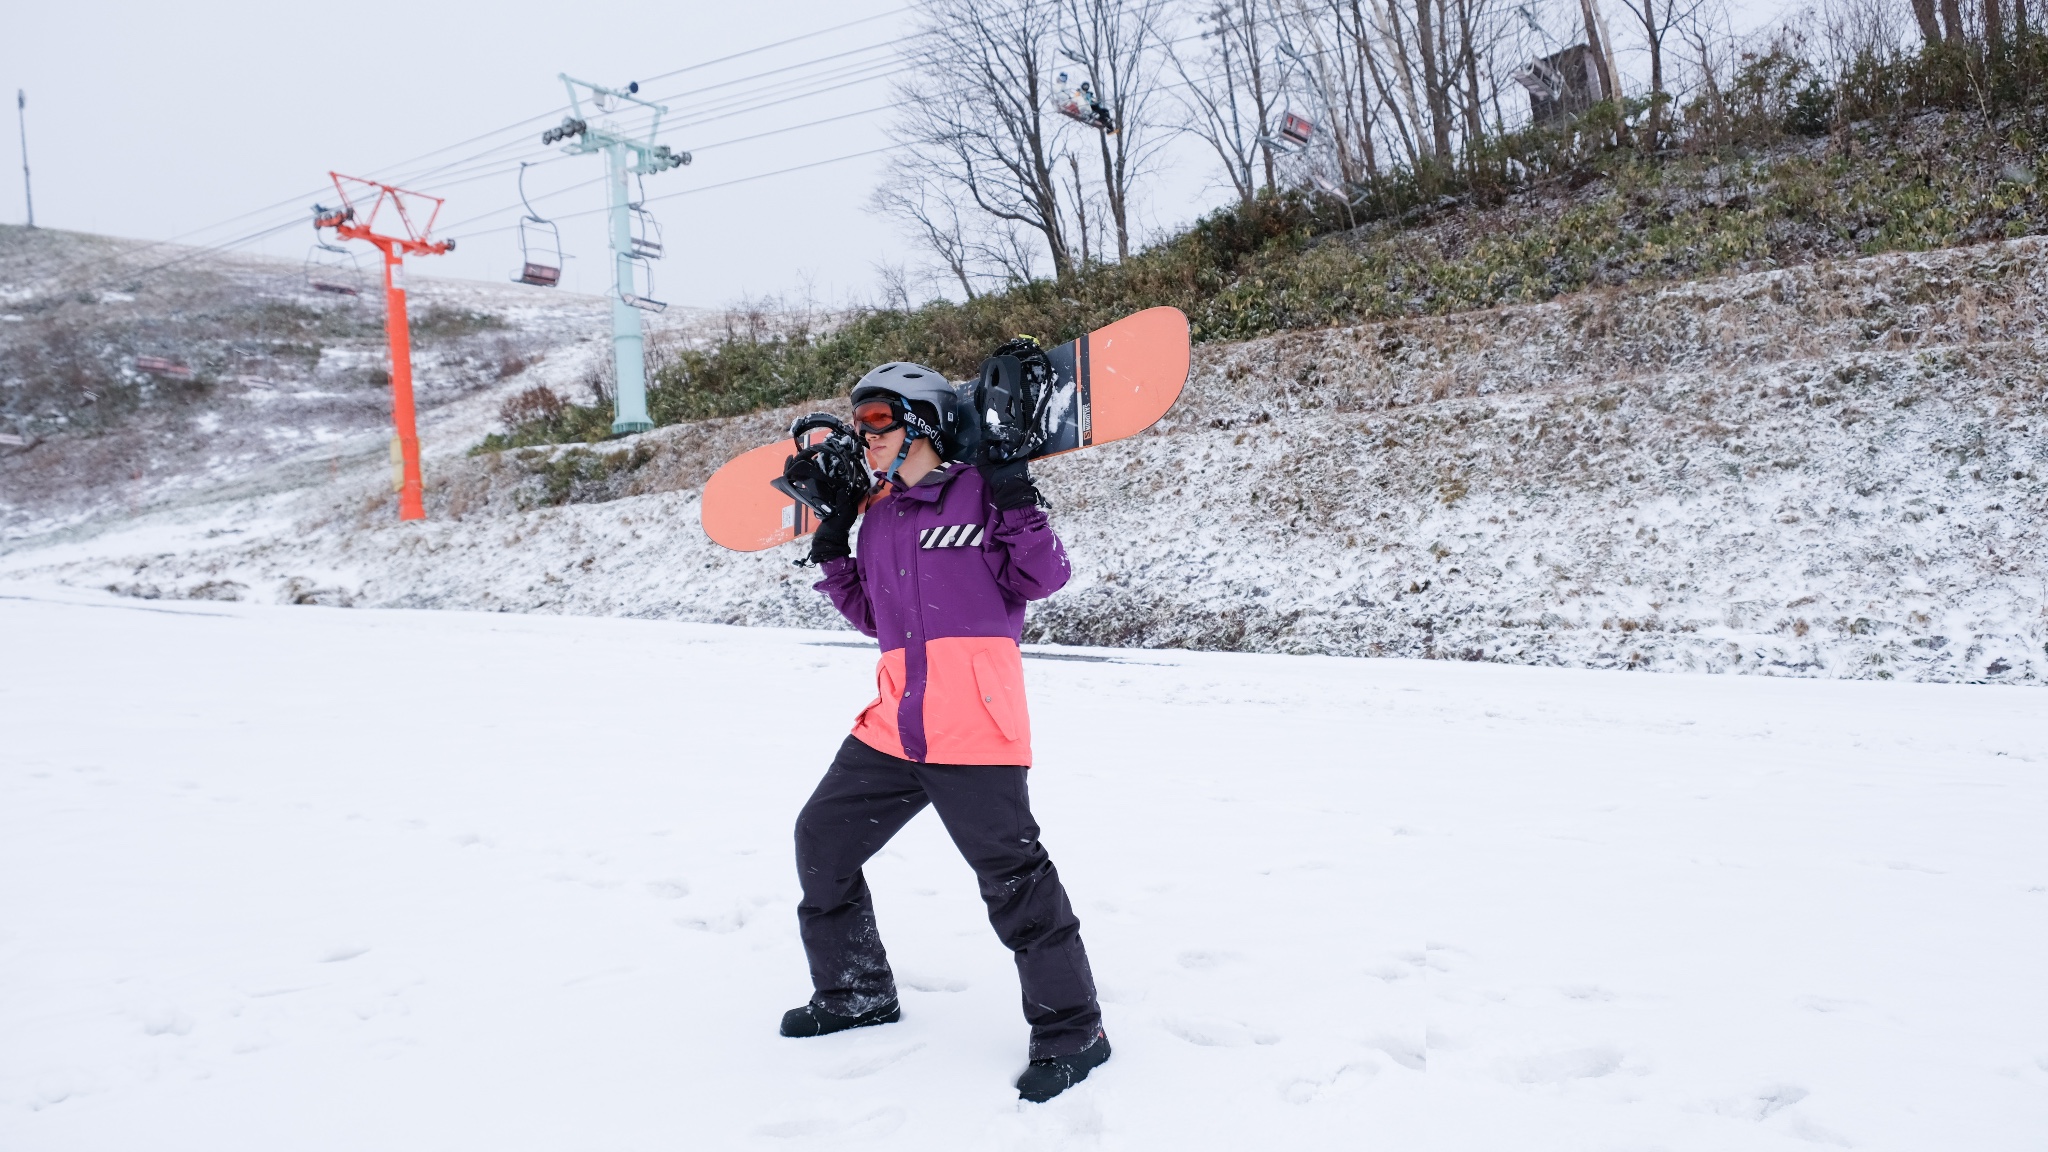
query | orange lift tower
[362, 201]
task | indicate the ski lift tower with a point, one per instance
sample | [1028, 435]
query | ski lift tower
[362, 202]
[626, 155]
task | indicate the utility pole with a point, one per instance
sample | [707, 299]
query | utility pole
[351, 224]
[633, 239]
[21, 116]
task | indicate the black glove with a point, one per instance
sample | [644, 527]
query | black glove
[831, 540]
[827, 477]
[832, 536]
[1009, 485]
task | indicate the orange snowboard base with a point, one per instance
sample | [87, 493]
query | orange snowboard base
[1111, 384]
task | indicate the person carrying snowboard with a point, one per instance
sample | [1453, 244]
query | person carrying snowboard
[949, 554]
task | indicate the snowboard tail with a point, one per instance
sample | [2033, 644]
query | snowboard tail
[1109, 385]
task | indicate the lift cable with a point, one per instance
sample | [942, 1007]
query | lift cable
[700, 188]
[736, 104]
[390, 171]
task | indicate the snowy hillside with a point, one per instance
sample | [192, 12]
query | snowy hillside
[149, 376]
[298, 878]
[1838, 470]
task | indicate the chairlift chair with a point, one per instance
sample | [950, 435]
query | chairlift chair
[1339, 191]
[1542, 79]
[639, 292]
[642, 229]
[1084, 106]
[540, 245]
[333, 269]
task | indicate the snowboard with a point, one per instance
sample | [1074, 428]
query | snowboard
[1113, 383]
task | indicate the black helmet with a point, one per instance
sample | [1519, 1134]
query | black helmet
[931, 406]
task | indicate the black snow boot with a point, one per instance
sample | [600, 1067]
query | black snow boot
[811, 1020]
[1053, 1075]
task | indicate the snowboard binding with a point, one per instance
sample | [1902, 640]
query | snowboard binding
[828, 474]
[1014, 401]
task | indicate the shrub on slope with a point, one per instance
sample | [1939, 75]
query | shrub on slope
[1790, 162]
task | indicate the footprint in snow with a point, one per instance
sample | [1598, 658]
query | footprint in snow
[933, 984]
[869, 1064]
[168, 1022]
[1201, 961]
[1217, 1032]
[1074, 1120]
[1776, 1099]
[872, 1126]
[1412, 1054]
[1558, 1067]
[668, 889]
[1309, 1089]
[343, 952]
[1404, 965]
[1766, 1103]
[721, 924]
[1439, 956]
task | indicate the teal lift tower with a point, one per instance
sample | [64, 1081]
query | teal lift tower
[635, 237]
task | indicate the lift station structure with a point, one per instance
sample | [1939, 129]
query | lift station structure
[635, 239]
[363, 203]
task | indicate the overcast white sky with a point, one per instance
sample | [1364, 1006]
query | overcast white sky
[151, 120]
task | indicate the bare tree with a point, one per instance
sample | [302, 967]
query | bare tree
[1469, 13]
[1705, 31]
[1233, 92]
[1078, 193]
[1332, 67]
[1602, 48]
[896, 281]
[1930, 27]
[1395, 35]
[1354, 105]
[978, 119]
[913, 198]
[1656, 18]
[1429, 48]
[1407, 126]
[1117, 42]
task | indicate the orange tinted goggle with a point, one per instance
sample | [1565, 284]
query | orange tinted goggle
[877, 416]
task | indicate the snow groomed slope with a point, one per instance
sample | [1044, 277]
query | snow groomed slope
[294, 877]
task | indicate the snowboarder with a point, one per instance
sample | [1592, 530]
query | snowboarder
[950, 551]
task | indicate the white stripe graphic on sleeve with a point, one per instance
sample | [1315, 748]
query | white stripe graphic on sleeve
[951, 534]
[973, 537]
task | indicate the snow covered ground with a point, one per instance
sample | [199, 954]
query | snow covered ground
[287, 877]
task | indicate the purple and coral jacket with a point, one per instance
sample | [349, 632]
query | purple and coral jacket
[940, 580]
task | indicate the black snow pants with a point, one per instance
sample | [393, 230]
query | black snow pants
[864, 799]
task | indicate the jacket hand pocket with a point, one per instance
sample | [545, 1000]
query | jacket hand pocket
[1002, 699]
